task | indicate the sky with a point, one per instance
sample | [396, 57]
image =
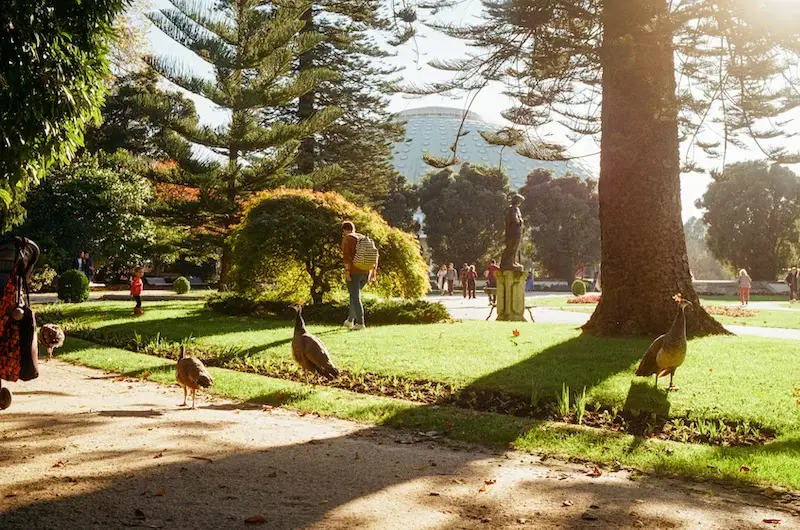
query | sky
[414, 57]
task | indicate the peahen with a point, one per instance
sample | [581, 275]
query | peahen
[191, 373]
[668, 351]
[308, 351]
[51, 337]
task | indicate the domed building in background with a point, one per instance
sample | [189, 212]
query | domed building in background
[434, 129]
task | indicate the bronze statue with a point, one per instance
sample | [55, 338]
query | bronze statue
[511, 256]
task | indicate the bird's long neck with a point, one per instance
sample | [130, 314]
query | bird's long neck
[299, 324]
[679, 324]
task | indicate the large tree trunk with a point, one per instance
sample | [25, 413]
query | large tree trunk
[306, 157]
[643, 250]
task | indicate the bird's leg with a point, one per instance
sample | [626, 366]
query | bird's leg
[656, 382]
[671, 386]
[194, 396]
[49, 352]
[184, 398]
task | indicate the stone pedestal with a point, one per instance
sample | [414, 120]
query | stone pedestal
[511, 295]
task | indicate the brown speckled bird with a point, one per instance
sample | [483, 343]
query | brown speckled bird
[191, 373]
[668, 351]
[308, 351]
[51, 337]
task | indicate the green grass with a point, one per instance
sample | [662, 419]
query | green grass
[726, 378]
[775, 463]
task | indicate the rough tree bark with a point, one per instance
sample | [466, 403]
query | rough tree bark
[306, 156]
[643, 250]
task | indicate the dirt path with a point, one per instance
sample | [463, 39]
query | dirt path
[81, 450]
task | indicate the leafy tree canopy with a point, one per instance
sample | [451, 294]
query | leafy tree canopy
[464, 213]
[563, 219]
[289, 244]
[752, 213]
[85, 206]
[52, 83]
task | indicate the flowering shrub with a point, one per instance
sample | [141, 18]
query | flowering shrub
[730, 311]
[585, 299]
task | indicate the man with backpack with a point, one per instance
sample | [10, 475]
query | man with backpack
[360, 266]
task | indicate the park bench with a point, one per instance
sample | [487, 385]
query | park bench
[156, 281]
[492, 291]
[197, 282]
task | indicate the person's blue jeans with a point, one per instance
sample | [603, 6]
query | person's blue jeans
[354, 286]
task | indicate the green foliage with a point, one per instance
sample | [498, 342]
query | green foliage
[73, 287]
[702, 264]
[578, 288]
[252, 51]
[400, 206]
[181, 285]
[290, 241]
[464, 213]
[752, 213]
[379, 312]
[87, 207]
[563, 215]
[43, 279]
[52, 85]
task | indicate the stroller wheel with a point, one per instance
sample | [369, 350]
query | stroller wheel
[5, 398]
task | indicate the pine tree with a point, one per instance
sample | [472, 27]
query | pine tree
[252, 46]
[360, 142]
[611, 64]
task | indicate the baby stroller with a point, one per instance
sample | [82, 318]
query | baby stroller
[19, 351]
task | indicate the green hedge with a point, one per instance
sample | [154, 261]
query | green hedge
[378, 312]
[73, 287]
[181, 285]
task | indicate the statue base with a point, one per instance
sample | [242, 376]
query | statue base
[511, 295]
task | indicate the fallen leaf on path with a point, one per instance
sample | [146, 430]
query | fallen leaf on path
[567, 503]
[486, 520]
[159, 455]
[120, 378]
[490, 482]
[772, 521]
[357, 457]
[744, 469]
[515, 333]
[203, 458]
[458, 481]
[256, 519]
[145, 375]
[522, 520]
[594, 473]
[594, 507]
[323, 502]
[586, 516]
[161, 492]
[482, 489]
[9, 495]
[60, 463]
[434, 494]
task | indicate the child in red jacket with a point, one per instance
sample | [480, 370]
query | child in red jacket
[136, 290]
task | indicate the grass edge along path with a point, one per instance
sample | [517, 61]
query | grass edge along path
[771, 464]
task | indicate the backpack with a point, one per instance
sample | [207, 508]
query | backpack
[366, 256]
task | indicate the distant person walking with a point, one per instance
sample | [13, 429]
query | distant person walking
[789, 281]
[529, 282]
[442, 277]
[88, 267]
[78, 263]
[136, 290]
[472, 278]
[491, 279]
[744, 287]
[451, 278]
[357, 272]
[465, 280]
[794, 286]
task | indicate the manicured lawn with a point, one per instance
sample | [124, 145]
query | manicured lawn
[726, 378]
[775, 463]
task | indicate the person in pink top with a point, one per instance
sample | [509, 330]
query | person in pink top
[744, 287]
[136, 290]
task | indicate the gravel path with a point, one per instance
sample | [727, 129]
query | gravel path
[80, 449]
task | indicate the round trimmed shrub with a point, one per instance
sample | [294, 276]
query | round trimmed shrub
[578, 288]
[181, 285]
[73, 287]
